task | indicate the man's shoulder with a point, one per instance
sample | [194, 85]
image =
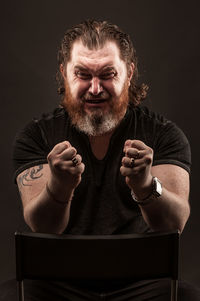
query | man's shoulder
[57, 113]
[147, 115]
[45, 123]
[58, 117]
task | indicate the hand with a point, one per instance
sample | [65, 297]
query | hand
[66, 165]
[136, 167]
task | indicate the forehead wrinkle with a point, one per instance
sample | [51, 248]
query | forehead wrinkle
[92, 54]
[96, 62]
[94, 68]
[109, 51]
[100, 51]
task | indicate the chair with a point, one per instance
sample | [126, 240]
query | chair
[104, 257]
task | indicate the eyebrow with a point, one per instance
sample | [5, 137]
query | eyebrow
[102, 69]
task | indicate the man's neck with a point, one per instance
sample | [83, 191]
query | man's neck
[100, 144]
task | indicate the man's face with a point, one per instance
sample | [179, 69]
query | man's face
[96, 85]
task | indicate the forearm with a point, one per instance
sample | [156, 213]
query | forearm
[47, 190]
[163, 208]
[44, 214]
[168, 212]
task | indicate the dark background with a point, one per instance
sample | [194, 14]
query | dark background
[166, 35]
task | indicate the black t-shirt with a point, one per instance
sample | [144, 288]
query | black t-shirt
[102, 203]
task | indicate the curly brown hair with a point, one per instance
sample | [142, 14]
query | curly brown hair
[93, 35]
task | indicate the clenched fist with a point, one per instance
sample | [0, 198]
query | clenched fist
[136, 166]
[65, 164]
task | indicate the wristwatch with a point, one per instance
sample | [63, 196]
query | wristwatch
[156, 193]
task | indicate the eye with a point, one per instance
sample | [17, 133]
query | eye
[107, 75]
[83, 75]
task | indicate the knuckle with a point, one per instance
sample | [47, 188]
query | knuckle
[81, 168]
[78, 169]
[150, 150]
[133, 143]
[75, 171]
[136, 143]
[128, 142]
[122, 170]
[73, 151]
[148, 160]
[57, 163]
[129, 152]
[123, 160]
[64, 143]
[67, 143]
[49, 156]
[79, 158]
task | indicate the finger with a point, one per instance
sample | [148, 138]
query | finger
[128, 143]
[134, 153]
[138, 144]
[60, 147]
[126, 171]
[76, 160]
[79, 169]
[132, 163]
[68, 153]
[131, 172]
[68, 167]
[128, 162]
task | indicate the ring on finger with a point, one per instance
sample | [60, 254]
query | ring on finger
[132, 162]
[75, 161]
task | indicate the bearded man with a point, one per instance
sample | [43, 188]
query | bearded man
[101, 163]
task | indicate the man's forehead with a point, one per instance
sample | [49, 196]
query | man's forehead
[108, 54]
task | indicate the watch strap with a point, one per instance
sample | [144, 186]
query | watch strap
[155, 193]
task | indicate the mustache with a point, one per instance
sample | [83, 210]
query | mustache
[101, 96]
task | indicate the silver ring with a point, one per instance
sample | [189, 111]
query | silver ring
[75, 161]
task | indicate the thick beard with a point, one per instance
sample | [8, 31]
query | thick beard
[97, 122]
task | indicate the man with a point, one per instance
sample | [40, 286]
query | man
[101, 163]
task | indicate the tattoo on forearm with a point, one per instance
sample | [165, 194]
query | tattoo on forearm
[30, 175]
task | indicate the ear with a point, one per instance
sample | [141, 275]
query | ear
[62, 70]
[130, 73]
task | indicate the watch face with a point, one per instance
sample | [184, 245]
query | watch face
[157, 187]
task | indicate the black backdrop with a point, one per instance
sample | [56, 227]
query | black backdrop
[166, 35]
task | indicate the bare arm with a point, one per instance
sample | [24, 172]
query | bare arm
[47, 210]
[171, 210]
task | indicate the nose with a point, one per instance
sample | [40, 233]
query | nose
[95, 86]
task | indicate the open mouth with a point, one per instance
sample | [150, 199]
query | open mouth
[95, 101]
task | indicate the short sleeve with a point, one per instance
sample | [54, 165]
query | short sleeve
[171, 146]
[29, 149]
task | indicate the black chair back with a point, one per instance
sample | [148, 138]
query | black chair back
[105, 257]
